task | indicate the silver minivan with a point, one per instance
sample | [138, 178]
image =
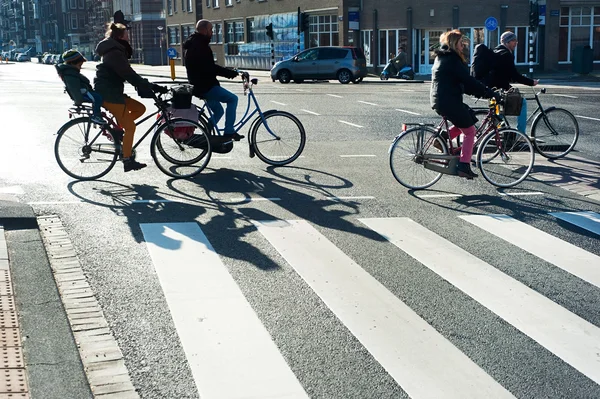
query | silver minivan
[346, 64]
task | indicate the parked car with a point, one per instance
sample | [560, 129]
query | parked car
[346, 64]
[21, 57]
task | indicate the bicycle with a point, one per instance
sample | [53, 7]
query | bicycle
[554, 131]
[276, 137]
[420, 155]
[87, 151]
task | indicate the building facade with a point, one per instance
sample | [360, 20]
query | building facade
[381, 26]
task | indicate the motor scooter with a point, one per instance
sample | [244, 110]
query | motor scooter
[391, 71]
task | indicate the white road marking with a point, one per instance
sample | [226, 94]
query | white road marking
[157, 201]
[358, 156]
[335, 95]
[408, 112]
[253, 199]
[351, 124]
[439, 195]
[310, 112]
[16, 190]
[589, 221]
[277, 102]
[423, 362]
[56, 202]
[568, 336]
[349, 198]
[524, 193]
[229, 351]
[587, 117]
[368, 103]
[564, 95]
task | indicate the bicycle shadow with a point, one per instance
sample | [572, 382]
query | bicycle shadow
[565, 171]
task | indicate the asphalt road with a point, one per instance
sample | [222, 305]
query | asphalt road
[331, 280]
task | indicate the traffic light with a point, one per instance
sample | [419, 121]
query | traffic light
[304, 22]
[270, 30]
[534, 16]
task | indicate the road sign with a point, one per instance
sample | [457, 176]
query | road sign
[171, 52]
[491, 23]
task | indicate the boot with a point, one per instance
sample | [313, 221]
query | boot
[130, 164]
[464, 170]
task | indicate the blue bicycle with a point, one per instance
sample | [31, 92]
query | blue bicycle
[276, 137]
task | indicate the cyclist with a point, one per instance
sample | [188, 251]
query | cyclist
[504, 72]
[202, 72]
[111, 73]
[450, 78]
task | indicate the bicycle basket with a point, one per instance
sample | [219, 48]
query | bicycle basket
[513, 102]
[182, 96]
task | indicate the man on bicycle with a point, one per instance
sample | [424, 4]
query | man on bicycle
[202, 72]
[504, 72]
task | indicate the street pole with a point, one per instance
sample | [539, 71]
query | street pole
[160, 40]
[298, 45]
[534, 20]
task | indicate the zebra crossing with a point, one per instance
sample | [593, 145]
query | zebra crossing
[225, 341]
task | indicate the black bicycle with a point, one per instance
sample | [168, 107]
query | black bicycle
[554, 131]
[86, 151]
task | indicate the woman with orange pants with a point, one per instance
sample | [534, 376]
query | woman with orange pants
[111, 74]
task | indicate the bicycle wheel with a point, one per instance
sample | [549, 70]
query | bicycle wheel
[84, 150]
[180, 148]
[406, 157]
[512, 161]
[555, 133]
[278, 139]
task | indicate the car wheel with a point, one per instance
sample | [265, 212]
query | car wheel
[298, 80]
[284, 76]
[357, 80]
[344, 76]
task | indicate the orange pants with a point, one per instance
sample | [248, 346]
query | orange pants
[126, 114]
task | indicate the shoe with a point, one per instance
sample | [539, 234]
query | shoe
[464, 170]
[196, 141]
[130, 164]
[97, 119]
[233, 136]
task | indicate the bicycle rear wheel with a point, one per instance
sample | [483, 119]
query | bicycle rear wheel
[279, 139]
[555, 133]
[512, 158]
[406, 157]
[84, 150]
[180, 148]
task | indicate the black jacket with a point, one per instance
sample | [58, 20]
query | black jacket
[504, 72]
[200, 65]
[450, 78]
[75, 83]
[114, 70]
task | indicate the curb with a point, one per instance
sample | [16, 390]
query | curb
[53, 366]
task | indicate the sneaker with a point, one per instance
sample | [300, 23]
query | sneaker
[130, 164]
[97, 119]
[464, 170]
[233, 136]
[196, 141]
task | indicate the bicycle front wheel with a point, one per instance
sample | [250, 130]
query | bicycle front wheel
[84, 150]
[555, 133]
[407, 155]
[278, 139]
[512, 158]
[180, 148]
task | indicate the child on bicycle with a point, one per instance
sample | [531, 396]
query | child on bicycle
[78, 86]
[450, 78]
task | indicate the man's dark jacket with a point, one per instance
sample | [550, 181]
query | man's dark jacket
[504, 72]
[450, 78]
[200, 65]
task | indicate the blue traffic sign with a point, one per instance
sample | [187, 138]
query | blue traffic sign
[171, 52]
[491, 23]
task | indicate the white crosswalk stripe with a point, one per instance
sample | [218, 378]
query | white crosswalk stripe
[224, 339]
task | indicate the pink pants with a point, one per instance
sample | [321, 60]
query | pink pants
[466, 150]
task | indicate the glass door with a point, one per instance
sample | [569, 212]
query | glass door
[430, 41]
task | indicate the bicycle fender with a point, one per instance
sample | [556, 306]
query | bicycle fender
[257, 119]
[540, 115]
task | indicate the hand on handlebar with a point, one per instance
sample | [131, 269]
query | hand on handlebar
[231, 73]
[159, 89]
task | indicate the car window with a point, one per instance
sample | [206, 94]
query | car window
[329, 53]
[359, 53]
[308, 55]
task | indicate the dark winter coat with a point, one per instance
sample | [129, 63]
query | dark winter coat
[450, 78]
[504, 72]
[200, 65]
[75, 83]
[114, 70]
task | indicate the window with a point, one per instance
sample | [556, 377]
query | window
[578, 26]
[190, 6]
[389, 41]
[238, 31]
[208, 3]
[73, 4]
[228, 3]
[173, 32]
[170, 7]
[81, 4]
[323, 31]
[215, 3]
[82, 21]
[251, 34]
[183, 5]
[365, 42]
[73, 21]
[217, 33]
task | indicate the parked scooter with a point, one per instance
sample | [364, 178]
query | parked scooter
[391, 71]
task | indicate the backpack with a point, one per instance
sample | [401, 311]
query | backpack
[483, 61]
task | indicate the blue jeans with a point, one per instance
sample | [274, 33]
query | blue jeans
[95, 99]
[214, 97]
[522, 118]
